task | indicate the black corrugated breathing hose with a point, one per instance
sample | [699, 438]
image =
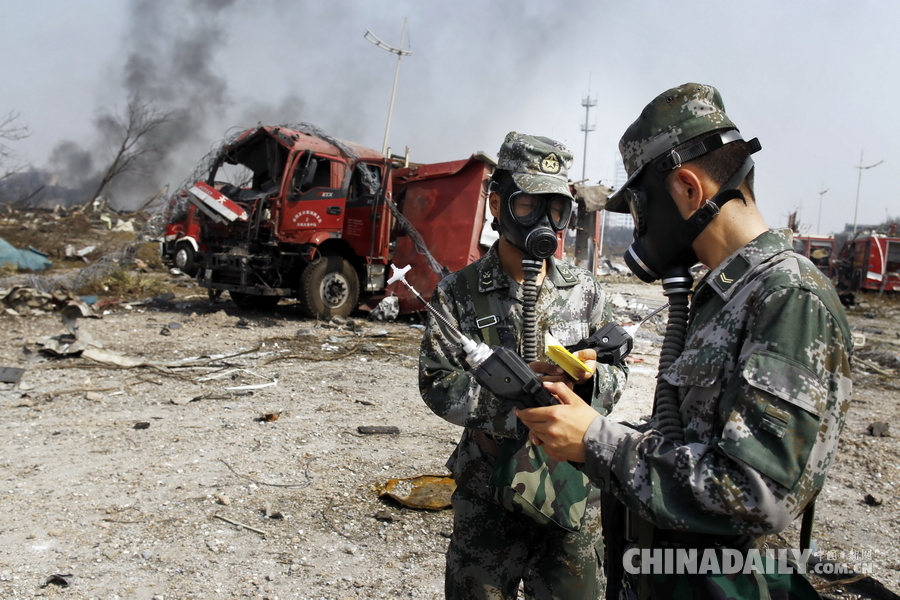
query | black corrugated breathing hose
[677, 285]
[531, 268]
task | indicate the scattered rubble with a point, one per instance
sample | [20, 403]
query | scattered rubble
[427, 492]
[25, 301]
[386, 310]
[10, 374]
[29, 258]
[878, 429]
[81, 254]
[132, 471]
[375, 429]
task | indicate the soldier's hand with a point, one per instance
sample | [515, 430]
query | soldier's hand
[560, 428]
[551, 373]
[589, 357]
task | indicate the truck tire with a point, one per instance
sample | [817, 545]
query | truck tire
[329, 287]
[184, 259]
[253, 302]
[243, 301]
[265, 302]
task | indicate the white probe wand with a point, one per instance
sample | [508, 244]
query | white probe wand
[632, 329]
[500, 371]
[476, 352]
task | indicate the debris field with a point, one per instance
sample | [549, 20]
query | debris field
[190, 449]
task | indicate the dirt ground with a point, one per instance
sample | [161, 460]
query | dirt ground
[158, 481]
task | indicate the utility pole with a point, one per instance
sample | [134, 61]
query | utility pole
[587, 103]
[819, 222]
[400, 52]
[586, 127]
[858, 182]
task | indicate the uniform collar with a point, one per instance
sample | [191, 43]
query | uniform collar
[728, 276]
[491, 275]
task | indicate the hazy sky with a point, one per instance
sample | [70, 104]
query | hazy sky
[816, 81]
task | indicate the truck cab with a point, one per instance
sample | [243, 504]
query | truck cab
[287, 213]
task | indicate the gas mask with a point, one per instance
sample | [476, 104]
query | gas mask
[530, 222]
[663, 240]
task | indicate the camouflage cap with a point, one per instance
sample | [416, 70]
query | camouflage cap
[672, 118]
[538, 165]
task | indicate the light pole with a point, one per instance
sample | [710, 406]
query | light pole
[587, 103]
[400, 52]
[819, 222]
[858, 182]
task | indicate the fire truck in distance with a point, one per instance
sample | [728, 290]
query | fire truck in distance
[290, 212]
[869, 261]
[866, 261]
[817, 248]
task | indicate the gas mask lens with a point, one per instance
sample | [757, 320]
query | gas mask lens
[528, 209]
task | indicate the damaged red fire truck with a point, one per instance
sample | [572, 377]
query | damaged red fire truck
[291, 212]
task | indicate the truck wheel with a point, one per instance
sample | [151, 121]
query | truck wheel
[265, 302]
[254, 302]
[243, 301]
[329, 287]
[184, 259]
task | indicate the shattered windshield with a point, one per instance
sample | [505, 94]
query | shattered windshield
[237, 175]
[365, 183]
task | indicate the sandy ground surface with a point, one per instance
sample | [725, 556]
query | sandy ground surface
[163, 481]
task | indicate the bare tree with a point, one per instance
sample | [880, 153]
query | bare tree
[129, 136]
[10, 131]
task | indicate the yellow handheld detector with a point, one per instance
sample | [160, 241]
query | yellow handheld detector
[556, 352]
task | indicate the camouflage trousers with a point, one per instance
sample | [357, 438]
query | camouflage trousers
[719, 587]
[492, 550]
[744, 585]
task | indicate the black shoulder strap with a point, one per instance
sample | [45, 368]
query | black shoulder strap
[484, 319]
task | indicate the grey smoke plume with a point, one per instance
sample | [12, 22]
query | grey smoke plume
[169, 54]
[176, 58]
[73, 165]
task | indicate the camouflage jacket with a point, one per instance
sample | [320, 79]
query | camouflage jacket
[764, 384]
[571, 305]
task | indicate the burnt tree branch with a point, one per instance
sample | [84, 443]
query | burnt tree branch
[130, 133]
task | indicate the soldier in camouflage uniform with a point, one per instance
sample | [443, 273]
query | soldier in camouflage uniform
[492, 548]
[763, 381]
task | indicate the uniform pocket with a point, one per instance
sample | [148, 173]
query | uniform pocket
[775, 420]
[525, 481]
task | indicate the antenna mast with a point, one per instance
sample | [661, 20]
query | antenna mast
[400, 52]
[587, 103]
